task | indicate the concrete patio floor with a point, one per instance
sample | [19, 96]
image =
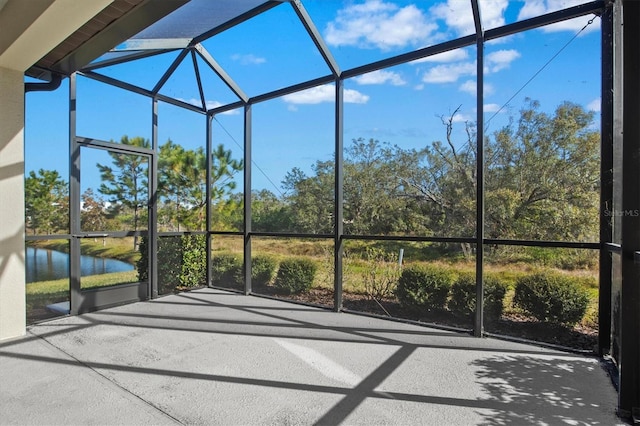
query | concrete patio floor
[217, 358]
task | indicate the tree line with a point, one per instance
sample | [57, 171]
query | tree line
[121, 199]
[541, 181]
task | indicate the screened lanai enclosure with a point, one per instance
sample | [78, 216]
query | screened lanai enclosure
[454, 163]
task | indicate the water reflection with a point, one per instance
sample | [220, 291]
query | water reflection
[44, 264]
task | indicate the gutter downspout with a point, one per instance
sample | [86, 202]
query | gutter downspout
[53, 84]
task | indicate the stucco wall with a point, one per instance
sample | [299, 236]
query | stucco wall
[12, 275]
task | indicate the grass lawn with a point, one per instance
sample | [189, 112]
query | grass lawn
[41, 293]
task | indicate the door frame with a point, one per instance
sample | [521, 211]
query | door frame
[82, 301]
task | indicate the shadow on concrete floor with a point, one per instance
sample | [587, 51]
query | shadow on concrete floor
[211, 357]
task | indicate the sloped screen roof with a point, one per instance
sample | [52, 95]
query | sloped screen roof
[197, 18]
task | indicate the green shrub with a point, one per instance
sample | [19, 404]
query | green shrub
[169, 263]
[194, 261]
[295, 276]
[181, 262]
[263, 269]
[494, 292]
[226, 271]
[463, 296]
[551, 298]
[422, 288]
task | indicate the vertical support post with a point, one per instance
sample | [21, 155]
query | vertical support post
[247, 199]
[606, 181]
[13, 308]
[629, 395]
[478, 328]
[338, 227]
[152, 245]
[208, 197]
[74, 202]
[618, 137]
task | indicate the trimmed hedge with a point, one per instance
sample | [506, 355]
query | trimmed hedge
[181, 262]
[551, 298]
[421, 288]
[194, 261]
[263, 269]
[295, 276]
[463, 296]
[226, 271]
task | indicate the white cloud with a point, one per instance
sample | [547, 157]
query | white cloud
[315, 95]
[461, 118]
[469, 87]
[213, 104]
[326, 93]
[457, 14]
[376, 23]
[216, 104]
[381, 77]
[449, 56]
[491, 107]
[594, 105]
[354, 97]
[500, 59]
[249, 59]
[534, 8]
[209, 105]
[192, 101]
[449, 73]
[488, 89]
[493, 12]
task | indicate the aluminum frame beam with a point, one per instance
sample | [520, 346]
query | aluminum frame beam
[152, 255]
[608, 39]
[196, 69]
[247, 197]
[126, 58]
[174, 65]
[237, 20]
[338, 201]
[127, 26]
[478, 328]
[208, 197]
[629, 393]
[113, 146]
[313, 32]
[231, 84]
[293, 89]
[595, 7]
[74, 202]
[141, 91]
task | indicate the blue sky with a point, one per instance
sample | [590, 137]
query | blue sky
[402, 105]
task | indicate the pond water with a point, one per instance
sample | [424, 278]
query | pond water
[44, 264]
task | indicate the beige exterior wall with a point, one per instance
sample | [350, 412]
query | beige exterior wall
[33, 28]
[12, 272]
